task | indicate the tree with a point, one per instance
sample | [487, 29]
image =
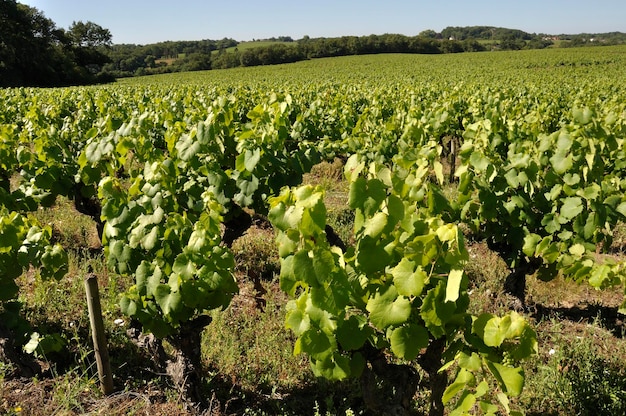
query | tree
[89, 35]
[428, 34]
[451, 46]
[34, 52]
[27, 46]
[194, 62]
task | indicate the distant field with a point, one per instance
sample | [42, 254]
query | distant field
[167, 61]
[242, 46]
[493, 68]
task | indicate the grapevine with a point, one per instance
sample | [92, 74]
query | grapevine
[173, 172]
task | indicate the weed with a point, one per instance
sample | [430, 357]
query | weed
[579, 371]
[328, 175]
[486, 272]
[71, 229]
[619, 238]
[342, 222]
[256, 254]
[251, 347]
[64, 394]
[566, 293]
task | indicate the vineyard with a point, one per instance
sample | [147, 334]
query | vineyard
[390, 234]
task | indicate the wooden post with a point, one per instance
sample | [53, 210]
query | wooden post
[97, 333]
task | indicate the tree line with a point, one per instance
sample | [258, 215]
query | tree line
[171, 56]
[131, 60]
[34, 52]
[142, 60]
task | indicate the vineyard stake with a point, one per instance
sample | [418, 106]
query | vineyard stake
[97, 332]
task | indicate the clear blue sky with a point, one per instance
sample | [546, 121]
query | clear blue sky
[150, 21]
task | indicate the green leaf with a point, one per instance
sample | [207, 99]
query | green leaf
[187, 146]
[247, 189]
[296, 319]
[395, 208]
[332, 296]
[447, 232]
[437, 201]
[8, 287]
[198, 241]
[527, 345]
[407, 341]
[315, 343]
[571, 179]
[482, 388]
[387, 308]
[128, 306]
[141, 277]
[564, 142]
[470, 362]
[251, 158]
[288, 280]
[367, 195]
[353, 168]
[462, 380]
[435, 311]
[511, 178]
[465, 179]
[149, 241]
[313, 220]
[337, 366]
[478, 161]
[493, 334]
[32, 344]
[408, 278]
[503, 398]
[561, 163]
[438, 168]
[353, 333]
[478, 325]
[577, 250]
[304, 268]
[54, 262]
[465, 404]
[548, 272]
[371, 256]
[572, 206]
[489, 409]
[513, 325]
[119, 256]
[453, 286]
[375, 225]
[582, 115]
[169, 302]
[184, 266]
[600, 276]
[511, 379]
[154, 280]
[530, 244]
[195, 294]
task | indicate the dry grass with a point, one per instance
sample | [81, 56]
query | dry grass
[70, 228]
[68, 396]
